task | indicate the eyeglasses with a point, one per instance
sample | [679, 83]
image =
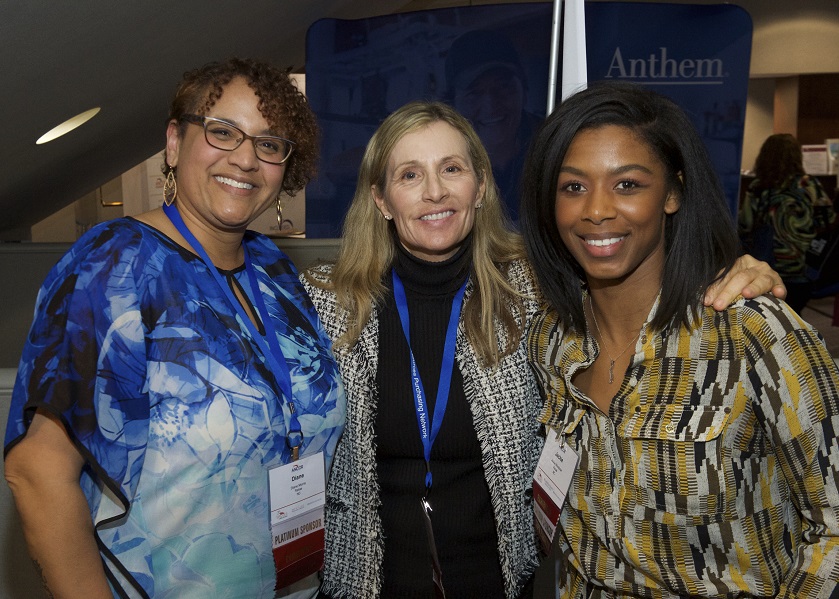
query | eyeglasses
[225, 136]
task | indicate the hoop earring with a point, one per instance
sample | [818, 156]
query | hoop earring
[170, 188]
[279, 212]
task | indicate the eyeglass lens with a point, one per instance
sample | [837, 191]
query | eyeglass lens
[224, 136]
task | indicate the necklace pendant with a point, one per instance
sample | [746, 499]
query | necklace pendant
[611, 370]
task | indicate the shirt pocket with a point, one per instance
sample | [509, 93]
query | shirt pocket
[678, 468]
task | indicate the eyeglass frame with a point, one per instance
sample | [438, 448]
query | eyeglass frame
[196, 119]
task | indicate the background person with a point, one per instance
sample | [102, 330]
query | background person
[706, 440]
[487, 84]
[784, 208]
[150, 401]
[426, 208]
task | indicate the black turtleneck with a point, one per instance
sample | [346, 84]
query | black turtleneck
[464, 523]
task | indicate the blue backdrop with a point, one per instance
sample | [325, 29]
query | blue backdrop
[491, 62]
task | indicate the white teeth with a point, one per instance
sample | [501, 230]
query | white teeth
[437, 216]
[234, 183]
[603, 242]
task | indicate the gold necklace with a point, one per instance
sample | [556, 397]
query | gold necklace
[603, 342]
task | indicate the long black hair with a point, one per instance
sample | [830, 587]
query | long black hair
[700, 238]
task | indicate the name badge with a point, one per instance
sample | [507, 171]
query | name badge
[551, 482]
[298, 493]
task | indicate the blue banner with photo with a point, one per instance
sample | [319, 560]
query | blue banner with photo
[491, 63]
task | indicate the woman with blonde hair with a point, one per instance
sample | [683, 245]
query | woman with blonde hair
[426, 208]
[426, 234]
[368, 247]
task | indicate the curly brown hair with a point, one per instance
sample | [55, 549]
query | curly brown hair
[280, 102]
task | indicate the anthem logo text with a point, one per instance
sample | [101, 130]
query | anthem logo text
[659, 68]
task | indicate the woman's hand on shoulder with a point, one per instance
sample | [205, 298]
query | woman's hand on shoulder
[748, 277]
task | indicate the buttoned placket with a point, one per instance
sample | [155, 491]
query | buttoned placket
[606, 428]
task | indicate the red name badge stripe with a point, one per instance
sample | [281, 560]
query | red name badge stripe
[299, 558]
[546, 503]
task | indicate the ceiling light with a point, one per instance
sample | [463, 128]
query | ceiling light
[68, 125]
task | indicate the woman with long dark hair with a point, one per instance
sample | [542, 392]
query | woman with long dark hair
[705, 440]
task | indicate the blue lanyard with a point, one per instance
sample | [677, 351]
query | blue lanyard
[429, 434]
[270, 348]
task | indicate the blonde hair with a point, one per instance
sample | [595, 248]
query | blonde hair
[367, 246]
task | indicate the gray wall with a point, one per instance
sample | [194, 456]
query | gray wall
[23, 268]
[18, 579]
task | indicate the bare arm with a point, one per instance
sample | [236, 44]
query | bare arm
[748, 277]
[43, 473]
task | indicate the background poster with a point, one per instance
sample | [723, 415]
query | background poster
[491, 63]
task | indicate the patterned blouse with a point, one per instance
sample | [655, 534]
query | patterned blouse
[169, 400]
[793, 214]
[716, 471]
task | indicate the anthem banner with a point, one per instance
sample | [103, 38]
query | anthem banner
[491, 63]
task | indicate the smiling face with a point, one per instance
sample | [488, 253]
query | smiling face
[220, 190]
[611, 204]
[431, 191]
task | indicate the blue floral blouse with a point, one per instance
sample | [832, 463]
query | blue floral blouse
[171, 404]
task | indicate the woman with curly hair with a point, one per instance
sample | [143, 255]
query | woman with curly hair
[174, 360]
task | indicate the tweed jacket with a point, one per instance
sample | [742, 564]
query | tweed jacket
[504, 402]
